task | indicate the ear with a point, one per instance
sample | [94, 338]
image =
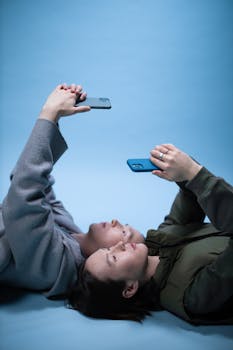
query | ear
[130, 289]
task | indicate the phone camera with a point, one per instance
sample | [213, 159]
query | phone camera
[137, 166]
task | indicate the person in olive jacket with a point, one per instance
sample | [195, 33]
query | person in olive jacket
[185, 265]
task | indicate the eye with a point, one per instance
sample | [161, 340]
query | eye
[124, 233]
[114, 258]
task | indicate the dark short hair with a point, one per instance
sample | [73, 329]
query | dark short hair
[103, 299]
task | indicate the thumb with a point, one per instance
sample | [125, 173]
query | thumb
[80, 109]
[157, 173]
[162, 174]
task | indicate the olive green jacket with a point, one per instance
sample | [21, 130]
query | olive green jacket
[195, 273]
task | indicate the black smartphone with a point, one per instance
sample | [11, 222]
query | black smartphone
[141, 165]
[95, 102]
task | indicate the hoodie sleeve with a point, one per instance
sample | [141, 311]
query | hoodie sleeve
[36, 244]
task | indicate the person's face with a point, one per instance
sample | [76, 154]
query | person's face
[127, 262]
[107, 234]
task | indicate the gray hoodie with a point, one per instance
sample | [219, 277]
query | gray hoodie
[36, 249]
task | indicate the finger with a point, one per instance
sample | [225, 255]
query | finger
[159, 155]
[83, 96]
[162, 149]
[64, 86]
[78, 92]
[81, 109]
[73, 88]
[157, 173]
[169, 146]
[159, 163]
[161, 174]
[78, 89]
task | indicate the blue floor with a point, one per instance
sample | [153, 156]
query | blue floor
[167, 67]
[31, 322]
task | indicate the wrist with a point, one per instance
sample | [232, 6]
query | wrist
[193, 171]
[49, 114]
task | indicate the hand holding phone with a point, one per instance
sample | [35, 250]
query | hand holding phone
[95, 102]
[141, 165]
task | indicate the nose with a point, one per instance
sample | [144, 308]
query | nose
[120, 246]
[115, 223]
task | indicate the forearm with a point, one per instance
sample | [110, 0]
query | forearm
[185, 209]
[215, 196]
[25, 204]
[45, 144]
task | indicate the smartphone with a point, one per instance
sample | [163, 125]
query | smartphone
[95, 102]
[141, 165]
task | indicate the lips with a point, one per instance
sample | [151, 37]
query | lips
[133, 245]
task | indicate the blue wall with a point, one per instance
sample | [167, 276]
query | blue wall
[167, 66]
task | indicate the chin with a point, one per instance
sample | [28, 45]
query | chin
[141, 239]
[143, 248]
[95, 230]
[91, 228]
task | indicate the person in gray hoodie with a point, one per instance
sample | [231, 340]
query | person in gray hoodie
[41, 247]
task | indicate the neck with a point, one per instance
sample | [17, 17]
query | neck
[153, 262]
[86, 245]
[80, 238]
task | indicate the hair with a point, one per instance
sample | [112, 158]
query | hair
[103, 299]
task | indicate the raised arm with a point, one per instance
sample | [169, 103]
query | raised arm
[184, 210]
[203, 193]
[174, 164]
[215, 196]
[27, 215]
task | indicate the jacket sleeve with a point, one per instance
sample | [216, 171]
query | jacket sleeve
[27, 215]
[211, 291]
[185, 209]
[215, 197]
[212, 287]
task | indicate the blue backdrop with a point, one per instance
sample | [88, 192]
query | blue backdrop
[166, 65]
